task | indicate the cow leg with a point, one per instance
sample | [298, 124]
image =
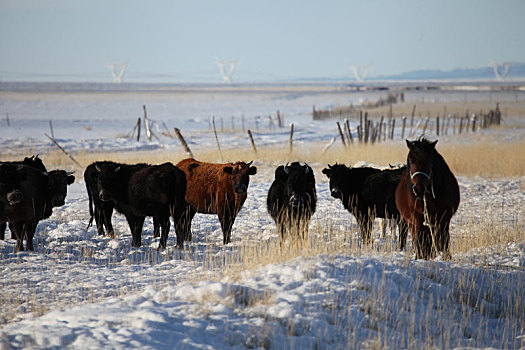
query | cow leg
[156, 227]
[3, 226]
[135, 225]
[185, 222]
[107, 214]
[29, 232]
[226, 218]
[182, 216]
[164, 223]
[99, 219]
[18, 232]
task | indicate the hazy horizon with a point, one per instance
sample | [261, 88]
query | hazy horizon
[181, 42]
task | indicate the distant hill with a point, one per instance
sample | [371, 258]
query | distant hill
[516, 70]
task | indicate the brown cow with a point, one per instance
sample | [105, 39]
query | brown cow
[215, 189]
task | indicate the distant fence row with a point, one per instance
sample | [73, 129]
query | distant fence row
[375, 129]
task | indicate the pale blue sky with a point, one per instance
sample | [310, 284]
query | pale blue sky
[178, 41]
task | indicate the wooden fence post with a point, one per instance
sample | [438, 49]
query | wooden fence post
[341, 134]
[51, 128]
[183, 142]
[366, 125]
[138, 129]
[216, 137]
[146, 123]
[251, 140]
[393, 129]
[349, 132]
[403, 128]
[437, 125]
[291, 138]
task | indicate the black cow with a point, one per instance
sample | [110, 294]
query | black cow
[58, 180]
[292, 199]
[103, 211]
[10, 193]
[36, 205]
[137, 192]
[367, 193]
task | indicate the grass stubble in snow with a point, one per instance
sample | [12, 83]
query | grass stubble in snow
[80, 290]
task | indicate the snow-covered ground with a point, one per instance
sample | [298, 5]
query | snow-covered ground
[80, 290]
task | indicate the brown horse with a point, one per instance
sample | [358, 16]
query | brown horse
[427, 197]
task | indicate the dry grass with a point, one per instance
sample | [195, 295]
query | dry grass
[478, 157]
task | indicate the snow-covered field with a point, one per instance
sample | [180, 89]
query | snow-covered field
[80, 290]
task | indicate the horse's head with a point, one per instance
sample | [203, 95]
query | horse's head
[420, 165]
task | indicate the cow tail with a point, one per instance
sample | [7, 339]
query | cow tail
[90, 211]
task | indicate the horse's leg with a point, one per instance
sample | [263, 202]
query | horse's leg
[403, 232]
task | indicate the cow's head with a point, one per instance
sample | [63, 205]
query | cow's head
[10, 177]
[240, 173]
[337, 174]
[108, 180]
[58, 181]
[300, 183]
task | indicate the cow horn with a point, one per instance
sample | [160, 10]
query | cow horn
[98, 168]
[68, 173]
[117, 169]
[250, 163]
[286, 169]
[307, 170]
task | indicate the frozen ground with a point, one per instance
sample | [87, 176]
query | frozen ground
[80, 290]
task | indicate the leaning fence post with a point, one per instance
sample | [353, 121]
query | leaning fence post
[291, 138]
[341, 134]
[348, 131]
[63, 150]
[183, 142]
[474, 118]
[251, 140]
[425, 127]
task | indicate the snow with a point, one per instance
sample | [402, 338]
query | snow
[81, 290]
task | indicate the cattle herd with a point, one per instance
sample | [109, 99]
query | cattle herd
[28, 194]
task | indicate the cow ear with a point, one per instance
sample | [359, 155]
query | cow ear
[228, 169]
[280, 173]
[70, 179]
[409, 144]
[252, 170]
[433, 144]
[327, 171]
